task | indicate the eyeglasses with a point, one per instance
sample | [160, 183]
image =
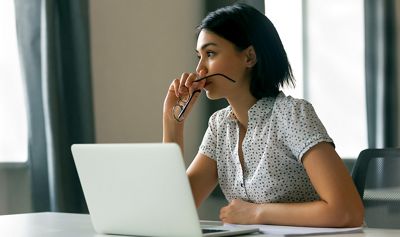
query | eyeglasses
[183, 101]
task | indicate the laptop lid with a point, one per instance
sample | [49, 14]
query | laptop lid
[137, 189]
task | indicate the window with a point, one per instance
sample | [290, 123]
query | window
[324, 41]
[13, 119]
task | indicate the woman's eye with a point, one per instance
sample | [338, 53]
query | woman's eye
[210, 54]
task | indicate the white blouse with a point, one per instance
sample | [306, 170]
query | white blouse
[280, 130]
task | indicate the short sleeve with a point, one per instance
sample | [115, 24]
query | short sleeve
[304, 128]
[209, 144]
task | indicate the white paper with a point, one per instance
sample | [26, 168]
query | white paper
[294, 230]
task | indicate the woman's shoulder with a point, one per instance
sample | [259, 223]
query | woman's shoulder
[289, 108]
[290, 104]
[221, 115]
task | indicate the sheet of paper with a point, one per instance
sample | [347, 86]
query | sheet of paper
[298, 231]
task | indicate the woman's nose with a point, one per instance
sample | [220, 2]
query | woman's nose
[201, 70]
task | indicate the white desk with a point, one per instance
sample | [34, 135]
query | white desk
[79, 225]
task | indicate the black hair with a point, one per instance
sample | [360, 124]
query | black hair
[245, 26]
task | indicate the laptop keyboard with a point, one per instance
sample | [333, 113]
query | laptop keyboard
[207, 231]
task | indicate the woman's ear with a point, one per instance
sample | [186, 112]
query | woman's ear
[251, 57]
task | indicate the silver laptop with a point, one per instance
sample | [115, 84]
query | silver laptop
[140, 189]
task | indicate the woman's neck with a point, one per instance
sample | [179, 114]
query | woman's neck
[240, 106]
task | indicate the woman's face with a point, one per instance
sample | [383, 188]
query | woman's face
[218, 55]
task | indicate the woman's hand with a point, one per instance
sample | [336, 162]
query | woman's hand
[239, 212]
[181, 87]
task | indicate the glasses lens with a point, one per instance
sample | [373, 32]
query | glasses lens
[176, 111]
[180, 106]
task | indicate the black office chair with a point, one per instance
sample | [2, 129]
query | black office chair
[376, 175]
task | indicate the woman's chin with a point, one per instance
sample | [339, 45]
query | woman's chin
[212, 96]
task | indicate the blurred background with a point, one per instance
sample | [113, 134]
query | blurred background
[85, 71]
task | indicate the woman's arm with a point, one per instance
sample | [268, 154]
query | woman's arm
[172, 129]
[340, 204]
[203, 177]
[202, 173]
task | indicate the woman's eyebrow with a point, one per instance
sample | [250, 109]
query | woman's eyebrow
[206, 45]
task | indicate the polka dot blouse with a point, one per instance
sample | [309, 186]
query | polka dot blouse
[280, 130]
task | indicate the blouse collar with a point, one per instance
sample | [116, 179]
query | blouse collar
[260, 109]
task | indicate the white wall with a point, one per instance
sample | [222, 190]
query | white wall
[138, 48]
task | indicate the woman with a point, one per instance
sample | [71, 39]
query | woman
[270, 153]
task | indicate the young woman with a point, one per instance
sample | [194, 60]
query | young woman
[270, 153]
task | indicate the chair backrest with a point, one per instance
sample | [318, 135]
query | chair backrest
[376, 175]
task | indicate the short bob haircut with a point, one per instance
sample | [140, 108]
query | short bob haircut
[244, 26]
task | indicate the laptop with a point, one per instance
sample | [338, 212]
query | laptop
[141, 189]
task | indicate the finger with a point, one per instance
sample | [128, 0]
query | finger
[221, 215]
[202, 73]
[196, 85]
[192, 85]
[182, 88]
[224, 210]
[175, 85]
[191, 77]
[189, 81]
[224, 217]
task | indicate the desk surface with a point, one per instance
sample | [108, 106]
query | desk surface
[79, 225]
